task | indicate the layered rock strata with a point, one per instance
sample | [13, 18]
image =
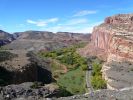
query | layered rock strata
[113, 42]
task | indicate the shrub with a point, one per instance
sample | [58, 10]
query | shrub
[96, 69]
[96, 79]
[97, 82]
[84, 67]
[35, 85]
[63, 92]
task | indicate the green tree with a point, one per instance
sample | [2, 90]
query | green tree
[98, 83]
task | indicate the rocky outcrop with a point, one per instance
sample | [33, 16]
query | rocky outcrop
[113, 42]
[118, 74]
[5, 38]
[24, 68]
[103, 95]
[25, 91]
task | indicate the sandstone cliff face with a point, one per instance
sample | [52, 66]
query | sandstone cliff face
[115, 37]
[113, 41]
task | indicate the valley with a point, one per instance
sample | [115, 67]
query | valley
[40, 60]
[37, 65]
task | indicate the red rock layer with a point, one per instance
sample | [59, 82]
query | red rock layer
[112, 40]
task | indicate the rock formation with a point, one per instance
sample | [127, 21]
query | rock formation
[25, 67]
[103, 95]
[43, 40]
[26, 91]
[5, 38]
[113, 42]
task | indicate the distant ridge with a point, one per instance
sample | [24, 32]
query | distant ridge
[44, 40]
[5, 38]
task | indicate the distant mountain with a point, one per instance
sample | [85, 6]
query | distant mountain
[38, 35]
[5, 37]
[41, 35]
[76, 36]
[44, 40]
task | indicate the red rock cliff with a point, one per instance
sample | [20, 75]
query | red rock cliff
[113, 40]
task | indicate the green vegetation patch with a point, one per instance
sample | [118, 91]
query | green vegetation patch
[73, 81]
[96, 80]
[68, 69]
[67, 56]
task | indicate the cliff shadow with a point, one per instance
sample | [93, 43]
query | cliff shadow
[44, 75]
[5, 76]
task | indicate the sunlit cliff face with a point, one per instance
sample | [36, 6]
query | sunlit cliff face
[113, 38]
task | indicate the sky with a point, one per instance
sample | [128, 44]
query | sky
[58, 15]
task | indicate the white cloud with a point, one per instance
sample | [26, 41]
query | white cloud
[70, 29]
[31, 21]
[20, 25]
[85, 12]
[124, 9]
[42, 22]
[87, 28]
[96, 23]
[37, 23]
[53, 20]
[2, 27]
[78, 25]
[77, 21]
[68, 26]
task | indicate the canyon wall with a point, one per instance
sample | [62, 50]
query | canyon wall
[112, 41]
[120, 41]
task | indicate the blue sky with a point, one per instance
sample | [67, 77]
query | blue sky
[58, 15]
